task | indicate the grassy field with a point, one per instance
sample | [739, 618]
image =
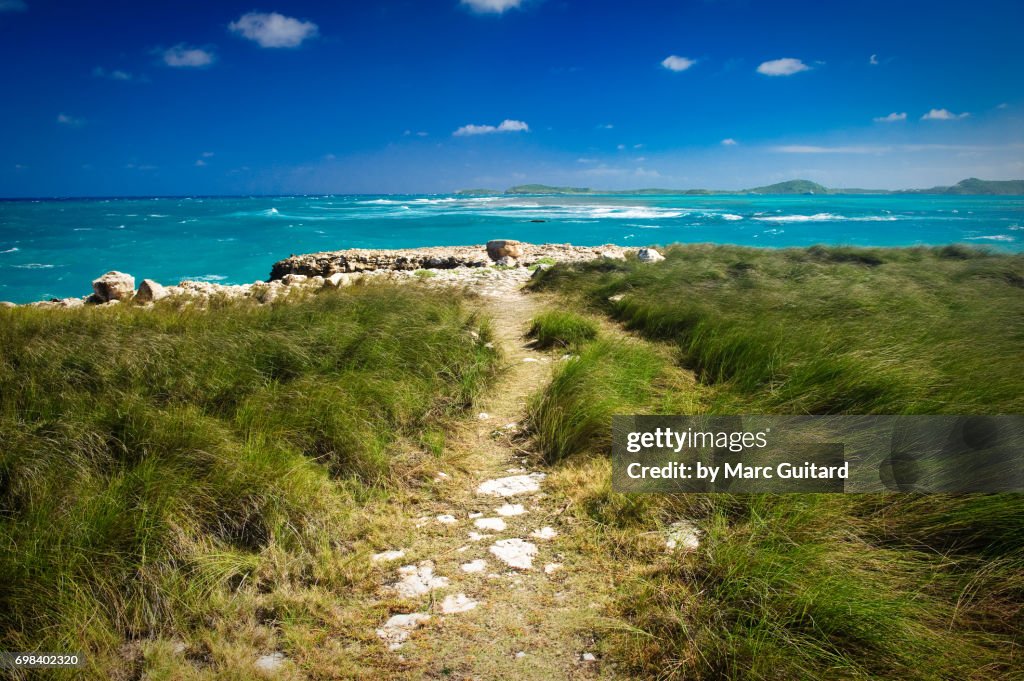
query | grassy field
[801, 586]
[189, 475]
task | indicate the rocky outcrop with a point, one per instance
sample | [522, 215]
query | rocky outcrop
[150, 292]
[113, 286]
[649, 255]
[504, 248]
[328, 263]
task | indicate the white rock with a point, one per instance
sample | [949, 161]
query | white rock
[649, 255]
[510, 510]
[293, 279]
[530, 359]
[416, 580]
[476, 515]
[512, 485]
[270, 663]
[478, 565]
[616, 298]
[589, 657]
[457, 603]
[338, 279]
[441, 475]
[494, 524]
[113, 286]
[520, 655]
[476, 536]
[483, 416]
[510, 426]
[386, 556]
[396, 630]
[683, 535]
[150, 292]
[500, 248]
[447, 519]
[544, 533]
[515, 552]
[552, 568]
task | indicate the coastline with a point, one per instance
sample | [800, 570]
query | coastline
[494, 267]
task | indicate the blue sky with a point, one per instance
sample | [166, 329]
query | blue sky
[115, 98]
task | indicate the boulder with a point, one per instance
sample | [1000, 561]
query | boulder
[150, 292]
[293, 279]
[113, 286]
[649, 255]
[500, 248]
[70, 302]
[7, 303]
[507, 261]
[613, 254]
[338, 279]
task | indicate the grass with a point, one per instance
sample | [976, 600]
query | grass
[804, 586]
[558, 328]
[160, 469]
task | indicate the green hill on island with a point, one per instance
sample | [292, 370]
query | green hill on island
[970, 186]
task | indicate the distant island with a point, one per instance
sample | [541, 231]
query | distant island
[970, 186]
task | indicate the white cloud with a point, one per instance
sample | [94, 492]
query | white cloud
[894, 117]
[1004, 105]
[729, 142]
[12, 6]
[586, 160]
[492, 6]
[181, 55]
[606, 126]
[273, 29]
[200, 163]
[676, 63]
[506, 125]
[621, 147]
[70, 121]
[873, 60]
[116, 74]
[943, 115]
[207, 154]
[782, 67]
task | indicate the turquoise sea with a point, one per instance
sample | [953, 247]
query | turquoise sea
[55, 248]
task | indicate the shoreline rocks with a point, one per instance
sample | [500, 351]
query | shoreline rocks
[493, 269]
[519, 254]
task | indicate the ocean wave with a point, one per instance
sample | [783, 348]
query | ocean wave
[826, 217]
[731, 216]
[991, 237]
[1016, 228]
[207, 277]
[156, 215]
[34, 266]
[10, 250]
[630, 224]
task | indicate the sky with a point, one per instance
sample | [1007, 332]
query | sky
[422, 96]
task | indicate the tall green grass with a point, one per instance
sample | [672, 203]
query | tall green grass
[151, 458]
[820, 586]
[559, 328]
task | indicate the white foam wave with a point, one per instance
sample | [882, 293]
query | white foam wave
[34, 266]
[10, 250]
[208, 277]
[992, 237]
[731, 216]
[826, 217]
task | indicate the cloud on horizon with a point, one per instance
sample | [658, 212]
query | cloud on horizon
[786, 66]
[729, 142]
[894, 117]
[492, 6]
[943, 115]
[184, 56]
[677, 63]
[273, 29]
[506, 125]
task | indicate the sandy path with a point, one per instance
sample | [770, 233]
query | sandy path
[494, 586]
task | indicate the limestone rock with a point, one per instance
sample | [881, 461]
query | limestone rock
[293, 279]
[338, 279]
[507, 261]
[150, 292]
[6, 303]
[501, 248]
[113, 286]
[649, 255]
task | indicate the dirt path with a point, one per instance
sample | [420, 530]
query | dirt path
[495, 582]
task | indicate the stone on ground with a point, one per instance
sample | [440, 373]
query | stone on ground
[512, 485]
[386, 556]
[515, 553]
[544, 533]
[457, 603]
[478, 565]
[510, 510]
[113, 286]
[682, 535]
[270, 663]
[493, 524]
[396, 630]
[416, 580]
